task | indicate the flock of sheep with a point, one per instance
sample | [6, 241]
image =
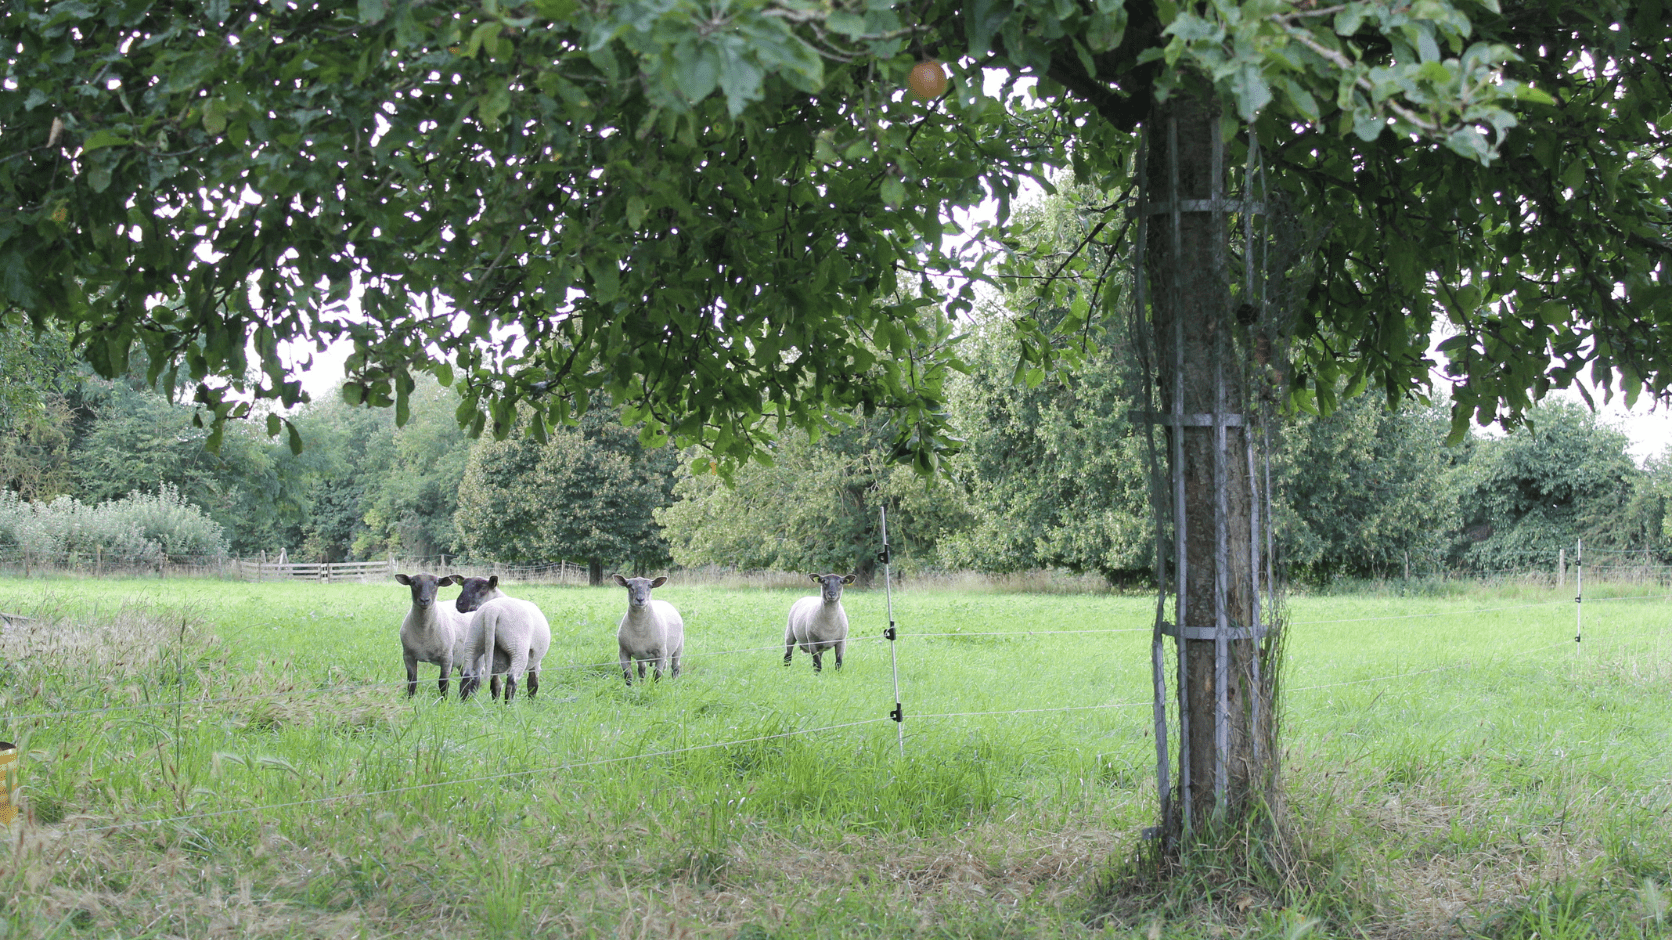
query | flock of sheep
[487, 629]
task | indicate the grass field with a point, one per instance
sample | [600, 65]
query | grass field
[1454, 768]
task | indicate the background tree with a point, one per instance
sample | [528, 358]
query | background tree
[1053, 473]
[1533, 492]
[1364, 488]
[813, 508]
[587, 495]
[37, 378]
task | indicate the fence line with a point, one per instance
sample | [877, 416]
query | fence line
[346, 688]
[361, 686]
[666, 752]
[575, 765]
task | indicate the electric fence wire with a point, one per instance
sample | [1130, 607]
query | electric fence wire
[577, 765]
[1038, 634]
[345, 688]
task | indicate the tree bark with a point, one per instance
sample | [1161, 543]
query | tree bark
[594, 573]
[1200, 373]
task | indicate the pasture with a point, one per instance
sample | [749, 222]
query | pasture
[204, 758]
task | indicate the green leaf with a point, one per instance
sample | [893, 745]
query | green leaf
[1348, 21]
[893, 192]
[104, 137]
[1368, 125]
[295, 441]
[983, 20]
[214, 116]
[848, 24]
[1302, 100]
[372, 11]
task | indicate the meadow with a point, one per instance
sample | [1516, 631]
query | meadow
[203, 758]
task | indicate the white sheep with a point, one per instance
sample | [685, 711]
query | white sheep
[819, 623]
[431, 632]
[510, 633]
[651, 631]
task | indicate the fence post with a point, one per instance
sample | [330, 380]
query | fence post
[899, 713]
[1579, 595]
[1561, 567]
[1407, 566]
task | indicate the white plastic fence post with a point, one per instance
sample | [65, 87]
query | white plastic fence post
[892, 633]
[1579, 596]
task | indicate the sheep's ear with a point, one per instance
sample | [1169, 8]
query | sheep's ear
[404, 579]
[493, 580]
[443, 582]
[848, 579]
[814, 578]
[620, 580]
[659, 581]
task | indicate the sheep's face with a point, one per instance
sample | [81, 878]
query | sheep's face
[476, 592]
[830, 585]
[638, 589]
[424, 586]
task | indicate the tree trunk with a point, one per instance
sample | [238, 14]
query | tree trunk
[1199, 367]
[594, 573]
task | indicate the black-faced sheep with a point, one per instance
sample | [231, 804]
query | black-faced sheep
[651, 631]
[502, 626]
[819, 623]
[431, 632]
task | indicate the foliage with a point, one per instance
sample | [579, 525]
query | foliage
[36, 381]
[1366, 490]
[134, 439]
[587, 495]
[1526, 494]
[814, 508]
[709, 218]
[136, 526]
[1054, 473]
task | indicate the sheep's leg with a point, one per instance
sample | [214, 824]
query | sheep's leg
[840, 646]
[467, 686]
[533, 683]
[494, 686]
[519, 665]
[411, 675]
[789, 646]
[627, 667]
[818, 658]
[641, 670]
[673, 665]
[446, 673]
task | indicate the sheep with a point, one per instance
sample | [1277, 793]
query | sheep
[651, 631]
[819, 623]
[431, 633]
[509, 633]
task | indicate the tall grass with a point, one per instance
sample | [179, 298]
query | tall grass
[242, 759]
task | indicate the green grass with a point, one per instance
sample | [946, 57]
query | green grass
[1454, 767]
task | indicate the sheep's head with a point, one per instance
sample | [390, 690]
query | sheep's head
[424, 586]
[830, 585]
[476, 592]
[638, 589]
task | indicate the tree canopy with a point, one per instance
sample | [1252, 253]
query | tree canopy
[718, 215]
